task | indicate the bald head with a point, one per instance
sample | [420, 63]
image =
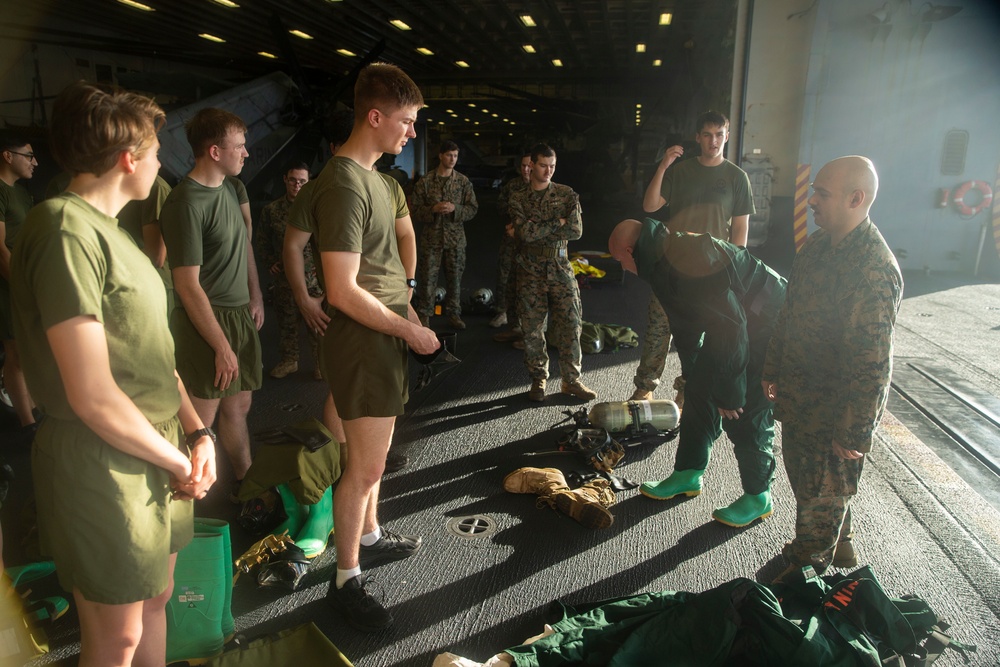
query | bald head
[622, 242]
[843, 193]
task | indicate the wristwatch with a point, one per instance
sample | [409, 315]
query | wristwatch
[192, 437]
[411, 283]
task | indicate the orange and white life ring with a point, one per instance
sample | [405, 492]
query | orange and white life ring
[959, 197]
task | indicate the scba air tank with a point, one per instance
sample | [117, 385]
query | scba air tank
[634, 415]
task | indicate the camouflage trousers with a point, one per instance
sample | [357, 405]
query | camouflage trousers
[433, 253]
[655, 346]
[824, 485]
[506, 289]
[820, 525]
[289, 320]
[547, 289]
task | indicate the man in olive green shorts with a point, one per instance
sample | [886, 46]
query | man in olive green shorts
[371, 324]
[218, 309]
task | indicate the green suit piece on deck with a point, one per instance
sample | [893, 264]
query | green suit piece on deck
[722, 303]
[105, 516]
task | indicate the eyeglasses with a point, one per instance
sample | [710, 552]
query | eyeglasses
[297, 181]
[30, 156]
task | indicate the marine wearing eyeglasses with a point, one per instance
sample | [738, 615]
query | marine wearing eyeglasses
[17, 162]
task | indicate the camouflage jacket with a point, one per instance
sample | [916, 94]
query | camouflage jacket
[831, 352]
[432, 189]
[537, 216]
[271, 239]
[503, 199]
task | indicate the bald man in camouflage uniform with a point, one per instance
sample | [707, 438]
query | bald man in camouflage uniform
[829, 360]
[443, 201]
[270, 244]
[546, 216]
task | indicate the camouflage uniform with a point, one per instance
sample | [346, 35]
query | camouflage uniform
[506, 291]
[831, 358]
[270, 239]
[702, 200]
[442, 239]
[722, 303]
[545, 282]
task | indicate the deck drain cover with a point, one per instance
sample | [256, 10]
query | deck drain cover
[473, 527]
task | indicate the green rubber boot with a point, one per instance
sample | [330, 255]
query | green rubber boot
[297, 514]
[687, 482]
[316, 530]
[194, 611]
[216, 526]
[747, 509]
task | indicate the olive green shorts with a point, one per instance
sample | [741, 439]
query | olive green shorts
[366, 369]
[104, 516]
[196, 358]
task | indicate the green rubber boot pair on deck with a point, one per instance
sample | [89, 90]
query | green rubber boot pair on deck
[744, 511]
[309, 525]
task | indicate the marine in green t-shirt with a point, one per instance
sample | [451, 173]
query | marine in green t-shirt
[707, 194]
[17, 162]
[217, 312]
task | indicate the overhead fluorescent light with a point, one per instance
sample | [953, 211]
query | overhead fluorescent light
[528, 48]
[227, 3]
[299, 33]
[495, 115]
[485, 110]
[527, 20]
[450, 110]
[557, 62]
[346, 52]
[472, 104]
[461, 63]
[666, 18]
[425, 51]
[640, 48]
[137, 5]
[211, 38]
[657, 62]
[396, 22]
[266, 54]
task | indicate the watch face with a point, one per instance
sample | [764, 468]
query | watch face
[411, 282]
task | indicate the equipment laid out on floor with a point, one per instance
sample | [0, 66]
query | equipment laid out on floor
[843, 620]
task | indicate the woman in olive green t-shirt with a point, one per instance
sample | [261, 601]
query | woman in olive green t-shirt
[113, 479]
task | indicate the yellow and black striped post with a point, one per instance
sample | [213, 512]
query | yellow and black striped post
[801, 208]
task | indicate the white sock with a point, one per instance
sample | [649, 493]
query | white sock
[372, 537]
[343, 576]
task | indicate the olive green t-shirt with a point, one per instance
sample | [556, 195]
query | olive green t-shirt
[706, 199]
[355, 210]
[204, 227]
[73, 260]
[15, 202]
[136, 214]
[301, 218]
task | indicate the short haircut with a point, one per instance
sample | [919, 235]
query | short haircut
[338, 128]
[93, 123]
[712, 118]
[209, 127]
[10, 139]
[384, 87]
[447, 146]
[294, 166]
[541, 150]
